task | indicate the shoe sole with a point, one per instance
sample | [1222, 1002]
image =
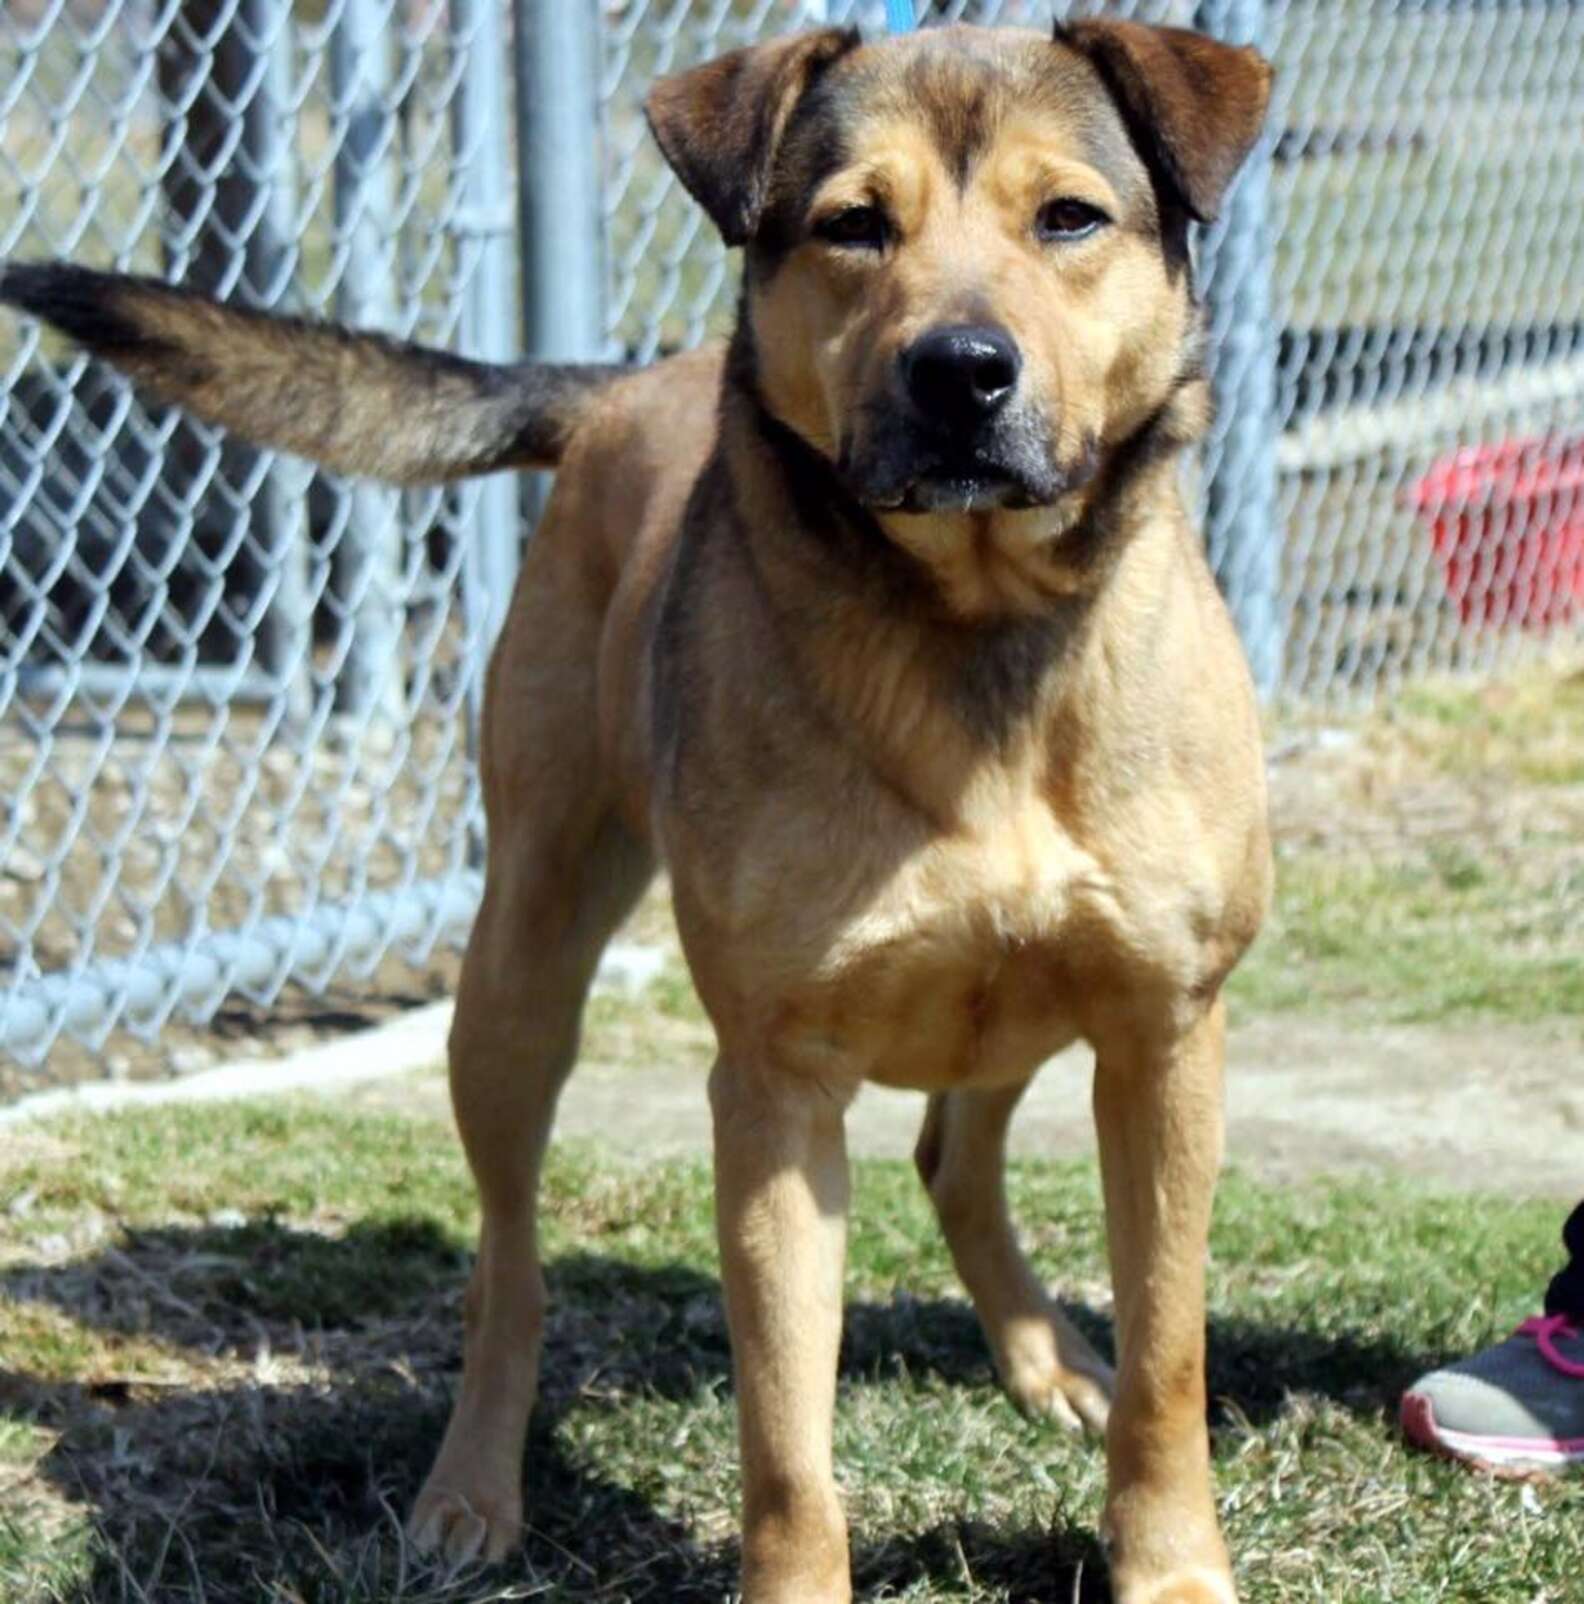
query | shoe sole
[1504, 1458]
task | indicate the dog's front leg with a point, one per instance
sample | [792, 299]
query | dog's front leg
[1158, 1107]
[781, 1205]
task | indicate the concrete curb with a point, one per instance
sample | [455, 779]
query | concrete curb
[409, 1042]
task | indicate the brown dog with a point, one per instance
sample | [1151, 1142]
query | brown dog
[886, 629]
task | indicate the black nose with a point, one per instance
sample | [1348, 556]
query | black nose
[963, 373]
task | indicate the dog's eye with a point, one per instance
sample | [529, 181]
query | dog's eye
[861, 227]
[1067, 219]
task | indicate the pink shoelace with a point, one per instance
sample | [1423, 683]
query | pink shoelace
[1545, 1329]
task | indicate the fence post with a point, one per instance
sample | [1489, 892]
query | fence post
[560, 197]
[285, 633]
[489, 310]
[368, 562]
[1241, 527]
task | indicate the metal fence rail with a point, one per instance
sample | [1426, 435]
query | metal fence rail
[238, 697]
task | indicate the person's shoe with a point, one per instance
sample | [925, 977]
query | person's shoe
[1516, 1409]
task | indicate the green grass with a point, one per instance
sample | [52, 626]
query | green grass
[1430, 865]
[1455, 933]
[1528, 729]
[228, 1336]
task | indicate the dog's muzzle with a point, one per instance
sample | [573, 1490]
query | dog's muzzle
[961, 436]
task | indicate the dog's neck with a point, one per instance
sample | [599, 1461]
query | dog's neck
[867, 626]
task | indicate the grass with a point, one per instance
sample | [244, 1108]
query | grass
[1528, 729]
[229, 1334]
[1430, 857]
[1447, 937]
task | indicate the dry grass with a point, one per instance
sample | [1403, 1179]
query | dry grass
[1430, 856]
[229, 1336]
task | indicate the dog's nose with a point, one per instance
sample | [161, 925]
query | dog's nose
[963, 373]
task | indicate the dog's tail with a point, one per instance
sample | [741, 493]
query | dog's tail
[357, 403]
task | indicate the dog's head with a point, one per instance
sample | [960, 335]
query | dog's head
[967, 250]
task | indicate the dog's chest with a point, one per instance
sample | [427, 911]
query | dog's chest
[959, 964]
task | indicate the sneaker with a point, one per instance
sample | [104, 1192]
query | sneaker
[1516, 1409]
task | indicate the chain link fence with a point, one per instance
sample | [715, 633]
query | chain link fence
[1397, 480]
[238, 697]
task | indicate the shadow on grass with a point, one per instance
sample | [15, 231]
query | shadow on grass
[313, 1376]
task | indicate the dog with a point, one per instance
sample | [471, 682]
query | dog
[884, 626]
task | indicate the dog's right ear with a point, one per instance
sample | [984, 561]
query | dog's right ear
[1193, 105]
[719, 124]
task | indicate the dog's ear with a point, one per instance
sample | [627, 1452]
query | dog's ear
[718, 125]
[1193, 105]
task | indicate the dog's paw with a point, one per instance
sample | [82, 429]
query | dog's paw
[459, 1530]
[1198, 1586]
[1072, 1398]
[1051, 1372]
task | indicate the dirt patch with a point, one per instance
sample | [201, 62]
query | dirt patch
[1485, 1108]
[1502, 762]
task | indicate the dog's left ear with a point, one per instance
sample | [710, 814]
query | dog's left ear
[1193, 105]
[718, 125]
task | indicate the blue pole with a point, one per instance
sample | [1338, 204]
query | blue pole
[489, 313]
[560, 210]
[1242, 531]
[285, 635]
[560, 199]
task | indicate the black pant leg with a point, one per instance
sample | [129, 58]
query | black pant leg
[1566, 1293]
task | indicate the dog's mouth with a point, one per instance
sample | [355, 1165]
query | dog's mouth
[910, 470]
[974, 491]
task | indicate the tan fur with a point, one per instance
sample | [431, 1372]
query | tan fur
[939, 793]
[867, 890]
